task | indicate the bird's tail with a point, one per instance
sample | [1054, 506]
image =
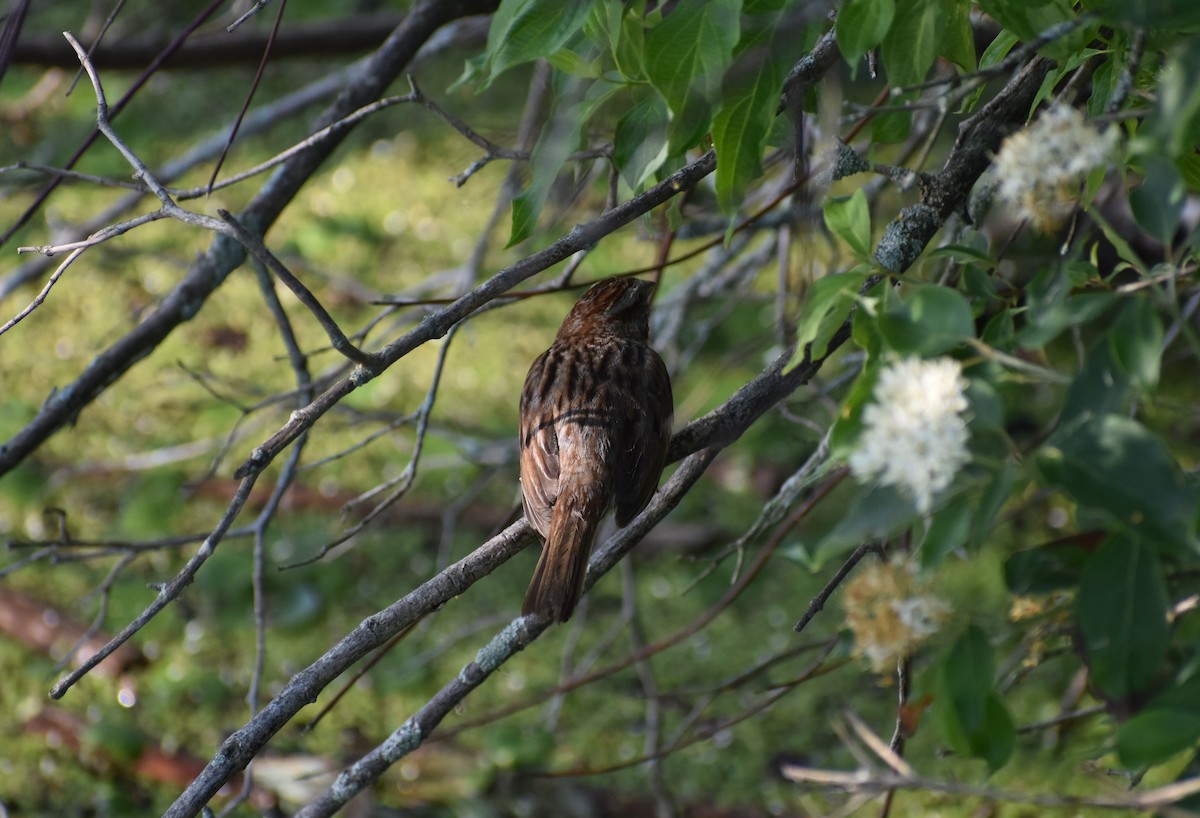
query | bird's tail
[558, 579]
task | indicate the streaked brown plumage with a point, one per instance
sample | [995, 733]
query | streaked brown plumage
[595, 422]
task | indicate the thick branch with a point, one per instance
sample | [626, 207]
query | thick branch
[318, 38]
[906, 237]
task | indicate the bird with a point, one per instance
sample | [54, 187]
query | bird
[595, 421]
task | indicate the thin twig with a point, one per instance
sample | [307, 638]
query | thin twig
[254, 83]
[254, 9]
[166, 594]
[817, 604]
[397, 487]
[255, 246]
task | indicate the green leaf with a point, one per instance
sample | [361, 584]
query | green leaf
[1028, 20]
[524, 30]
[1119, 242]
[911, 44]
[1122, 614]
[1158, 202]
[987, 410]
[1119, 468]
[1100, 388]
[620, 29]
[958, 37]
[1189, 171]
[1168, 725]
[930, 321]
[1053, 306]
[1159, 14]
[848, 425]
[1136, 341]
[1000, 331]
[861, 25]
[1175, 121]
[1103, 83]
[749, 101]
[994, 496]
[559, 138]
[995, 53]
[826, 305]
[571, 62]
[686, 57]
[973, 717]
[949, 530]
[964, 255]
[640, 140]
[850, 218]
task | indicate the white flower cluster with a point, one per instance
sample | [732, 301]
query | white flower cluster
[890, 611]
[1040, 169]
[914, 435]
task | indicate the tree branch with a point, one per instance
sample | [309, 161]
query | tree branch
[224, 254]
[321, 39]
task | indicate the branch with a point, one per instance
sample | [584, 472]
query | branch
[439, 323]
[374, 631]
[726, 423]
[255, 245]
[208, 148]
[224, 254]
[906, 237]
[166, 593]
[512, 639]
[321, 39]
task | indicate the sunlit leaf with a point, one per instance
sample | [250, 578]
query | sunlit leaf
[861, 25]
[523, 30]
[686, 57]
[931, 320]
[826, 305]
[850, 218]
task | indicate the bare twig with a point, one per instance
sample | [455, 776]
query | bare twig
[817, 604]
[255, 246]
[212, 268]
[254, 9]
[254, 83]
[399, 486]
[148, 72]
[166, 594]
